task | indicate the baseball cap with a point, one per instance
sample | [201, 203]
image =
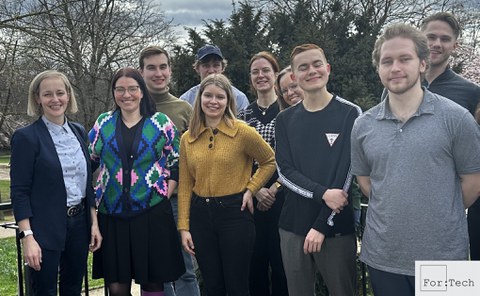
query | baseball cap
[206, 50]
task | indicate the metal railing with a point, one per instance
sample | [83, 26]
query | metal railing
[22, 271]
[23, 277]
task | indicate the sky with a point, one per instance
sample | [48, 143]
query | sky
[191, 12]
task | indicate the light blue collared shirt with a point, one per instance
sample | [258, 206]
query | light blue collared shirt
[72, 160]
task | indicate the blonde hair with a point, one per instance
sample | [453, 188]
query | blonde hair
[33, 108]
[280, 98]
[198, 116]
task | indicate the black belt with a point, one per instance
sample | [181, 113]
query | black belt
[76, 209]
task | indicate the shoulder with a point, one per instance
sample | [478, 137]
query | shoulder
[444, 105]
[28, 134]
[160, 118]
[290, 112]
[348, 105]
[238, 92]
[105, 117]
[244, 129]
[190, 92]
[371, 114]
[77, 126]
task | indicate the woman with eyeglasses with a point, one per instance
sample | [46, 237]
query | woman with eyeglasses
[289, 93]
[137, 150]
[269, 199]
[216, 188]
[51, 192]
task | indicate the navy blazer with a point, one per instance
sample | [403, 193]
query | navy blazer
[37, 189]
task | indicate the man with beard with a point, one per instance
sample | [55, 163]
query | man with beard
[413, 155]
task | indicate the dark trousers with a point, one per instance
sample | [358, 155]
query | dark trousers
[223, 237]
[70, 263]
[391, 284]
[267, 276]
[474, 230]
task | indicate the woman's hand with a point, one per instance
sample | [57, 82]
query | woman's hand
[247, 201]
[187, 242]
[266, 196]
[32, 253]
[96, 239]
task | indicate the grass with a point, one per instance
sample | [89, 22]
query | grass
[5, 159]
[8, 268]
[5, 190]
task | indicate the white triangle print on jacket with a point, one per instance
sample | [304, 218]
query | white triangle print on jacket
[332, 138]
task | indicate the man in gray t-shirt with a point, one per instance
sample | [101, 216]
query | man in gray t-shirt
[414, 157]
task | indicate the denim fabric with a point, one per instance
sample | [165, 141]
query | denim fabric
[187, 284]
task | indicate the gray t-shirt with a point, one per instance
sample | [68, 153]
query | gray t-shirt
[416, 207]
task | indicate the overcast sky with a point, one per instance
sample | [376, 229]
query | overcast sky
[191, 12]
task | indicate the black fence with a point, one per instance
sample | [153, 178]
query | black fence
[23, 281]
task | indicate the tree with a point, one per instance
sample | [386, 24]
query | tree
[88, 40]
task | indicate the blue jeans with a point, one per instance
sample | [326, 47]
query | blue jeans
[187, 284]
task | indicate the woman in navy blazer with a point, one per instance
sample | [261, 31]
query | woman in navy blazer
[51, 189]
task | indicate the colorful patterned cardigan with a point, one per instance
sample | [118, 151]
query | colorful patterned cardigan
[155, 156]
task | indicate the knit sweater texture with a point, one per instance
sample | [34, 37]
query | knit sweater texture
[177, 110]
[121, 192]
[219, 162]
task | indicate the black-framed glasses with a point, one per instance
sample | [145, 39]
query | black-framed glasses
[131, 90]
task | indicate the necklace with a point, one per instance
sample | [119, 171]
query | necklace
[263, 110]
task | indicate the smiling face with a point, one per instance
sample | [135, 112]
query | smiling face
[311, 70]
[211, 64]
[262, 75]
[53, 99]
[400, 67]
[128, 94]
[214, 101]
[441, 42]
[290, 90]
[156, 72]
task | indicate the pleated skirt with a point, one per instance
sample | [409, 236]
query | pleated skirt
[144, 248]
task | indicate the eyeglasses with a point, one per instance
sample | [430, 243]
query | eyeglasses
[291, 87]
[121, 90]
[264, 71]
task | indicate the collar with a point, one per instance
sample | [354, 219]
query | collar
[55, 128]
[445, 76]
[221, 128]
[426, 106]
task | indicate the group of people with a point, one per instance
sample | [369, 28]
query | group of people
[260, 192]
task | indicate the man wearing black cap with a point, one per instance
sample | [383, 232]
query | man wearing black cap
[209, 60]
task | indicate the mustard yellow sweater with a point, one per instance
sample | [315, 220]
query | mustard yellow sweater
[219, 162]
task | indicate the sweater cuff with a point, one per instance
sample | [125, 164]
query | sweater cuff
[318, 194]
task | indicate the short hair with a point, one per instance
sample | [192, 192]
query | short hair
[147, 105]
[198, 116]
[151, 51]
[34, 108]
[281, 100]
[446, 17]
[270, 59]
[404, 31]
[304, 47]
[208, 58]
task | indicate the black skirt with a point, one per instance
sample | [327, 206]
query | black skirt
[144, 248]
